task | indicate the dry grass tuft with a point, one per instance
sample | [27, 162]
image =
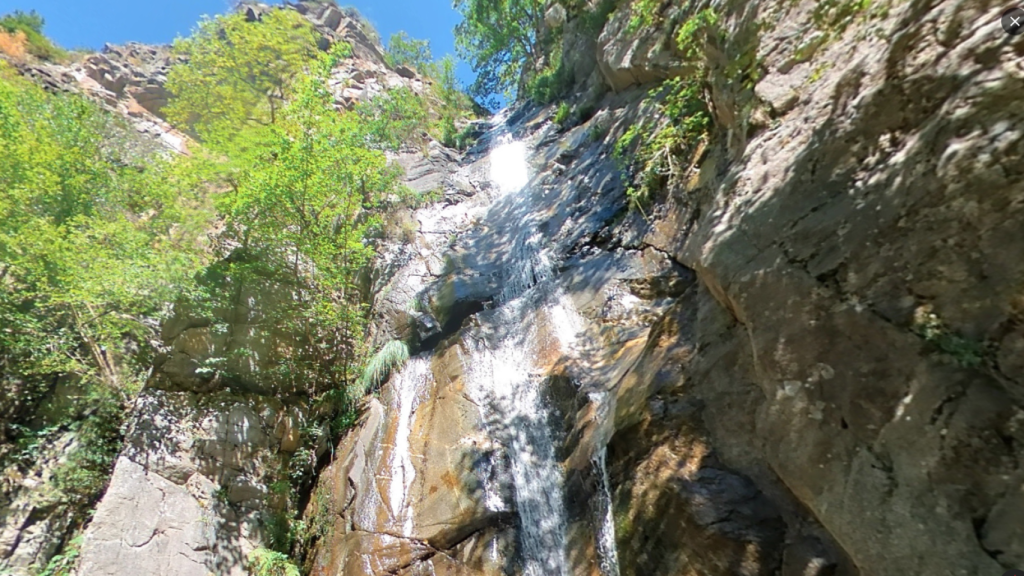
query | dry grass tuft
[14, 45]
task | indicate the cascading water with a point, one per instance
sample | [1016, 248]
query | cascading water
[607, 552]
[509, 170]
[407, 386]
[506, 360]
[504, 380]
[500, 380]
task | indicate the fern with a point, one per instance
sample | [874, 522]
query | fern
[391, 356]
[562, 115]
[264, 562]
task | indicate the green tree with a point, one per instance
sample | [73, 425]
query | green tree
[25, 21]
[403, 50]
[299, 214]
[453, 104]
[324, 196]
[90, 244]
[303, 187]
[96, 241]
[449, 102]
[238, 74]
[396, 117]
[500, 39]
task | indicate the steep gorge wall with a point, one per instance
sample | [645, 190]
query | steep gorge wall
[853, 345]
[822, 376]
[203, 476]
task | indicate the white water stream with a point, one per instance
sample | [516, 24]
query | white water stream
[500, 379]
[503, 378]
[407, 387]
[607, 552]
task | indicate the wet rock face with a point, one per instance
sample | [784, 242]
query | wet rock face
[402, 497]
[508, 276]
[672, 490]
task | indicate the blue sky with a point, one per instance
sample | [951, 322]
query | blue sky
[91, 23]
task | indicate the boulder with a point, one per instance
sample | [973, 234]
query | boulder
[555, 16]
[643, 57]
[188, 489]
[405, 71]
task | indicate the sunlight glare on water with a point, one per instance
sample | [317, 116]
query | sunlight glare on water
[509, 169]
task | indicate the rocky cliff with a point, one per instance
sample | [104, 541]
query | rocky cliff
[801, 360]
[802, 356]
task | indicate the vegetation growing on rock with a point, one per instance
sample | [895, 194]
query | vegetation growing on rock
[92, 249]
[802, 354]
[449, 107]
[405, 51]
[237, 76]
[23, 31]
[653, 154]
[101, 244]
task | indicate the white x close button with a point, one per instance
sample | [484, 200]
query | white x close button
[1013, 21]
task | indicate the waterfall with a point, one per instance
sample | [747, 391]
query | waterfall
[406, 391]
[509, 170]
[500, 379]
[605, 522]
[503, 380]
[501, 357]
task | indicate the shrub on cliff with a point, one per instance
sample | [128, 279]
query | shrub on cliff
[446, 104]
[651, 152]
[405, 51]
[90, 243]
[95, 243]
[28, 27]
[303, 187]
[238, 75]
[264, 562]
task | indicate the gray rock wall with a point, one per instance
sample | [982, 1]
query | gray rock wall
[860, 262]
[190, 493]
[838, 392]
